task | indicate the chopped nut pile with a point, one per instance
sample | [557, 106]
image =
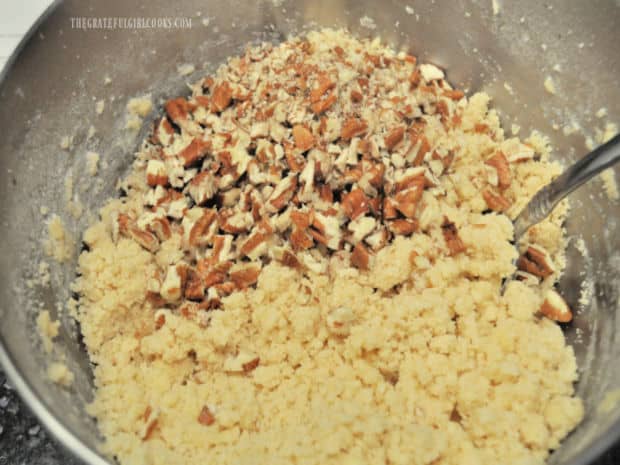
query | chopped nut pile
[295, 154]
[305, 267]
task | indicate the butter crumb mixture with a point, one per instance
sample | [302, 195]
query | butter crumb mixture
[305, 268]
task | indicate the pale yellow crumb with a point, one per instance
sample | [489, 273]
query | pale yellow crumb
[44, 273]
[91, 132]
[601, 112]
[92, 163]
[100, 107]
[44, 210]
[59, 244]
[66, 142]
[72, 204]
[609, 183]
[550, 85]
[515, 128]
[133, 124]
[48, 330]
[186, 69]
[509, 88]
[59, 373]
[610, 402]
[606, 133]
[495, 6]
[140, 106]
[570, 128]
[107, 80]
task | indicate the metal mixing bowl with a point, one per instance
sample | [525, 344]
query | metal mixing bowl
[48, 90]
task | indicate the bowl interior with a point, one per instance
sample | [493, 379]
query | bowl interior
[51, 88]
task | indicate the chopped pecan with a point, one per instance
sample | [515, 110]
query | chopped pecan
[407, 200]
[324, 83]
[156, 173]
[536, 261]
[453, 94]
[322, 106]
[194, 152]
[403, 227]
[201, 226]
[160, 226]
[555, 307]
[194, 286]
[356, 96]
[128, 228]
[300, 239]
[301, 219]
[422, 145]
[304, 140]
[251, 365]
[353, 127]
[222, 97]
[172, 287]
[394, 137]
[389, 209]
[451, 236]
[495, 202]
[500, 163]
[203, 187]
[205, 417]
[178, 110]
[282, 193]
[415, 78]
[252, 243]
[289, 259]
[245, 277]
[355, 203]
[360, 256]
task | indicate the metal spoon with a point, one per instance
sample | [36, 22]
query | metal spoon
[547, 198]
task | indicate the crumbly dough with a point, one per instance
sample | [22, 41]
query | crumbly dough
[417, 360]
[60, 244]
[59, 373]
[48, 330]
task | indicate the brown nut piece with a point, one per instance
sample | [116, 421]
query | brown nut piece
[501, 165]
[495, 202]
[536, 261]
[555, 307]
[451, 236]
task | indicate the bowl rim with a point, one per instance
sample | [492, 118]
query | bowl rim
[67, 438]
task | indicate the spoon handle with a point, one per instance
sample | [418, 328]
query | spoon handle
[583, 170]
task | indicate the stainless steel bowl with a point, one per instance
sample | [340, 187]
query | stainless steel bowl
[49, 89]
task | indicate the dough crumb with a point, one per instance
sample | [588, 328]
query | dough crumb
[92, 163]
[550, 85]
[609, 183]
[601, 113]
[367, 22]
[140, 106]
[91, 132]
[610, 401]
[100, 107]
[48, 330]
[59, 245]
[60, 374]
[66, 142]
[496, 7]
[186, 69]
